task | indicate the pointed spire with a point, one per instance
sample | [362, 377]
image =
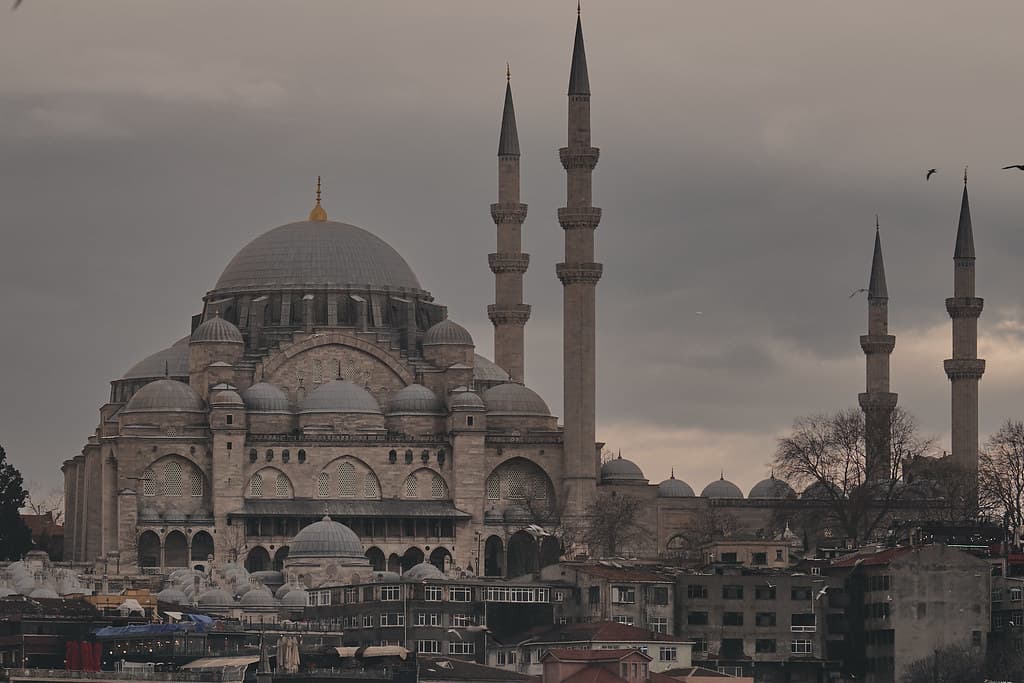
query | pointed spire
[672, 473]
[579, 81]
[318, 214]
[876, 285]
[964, 231]
[508, 140]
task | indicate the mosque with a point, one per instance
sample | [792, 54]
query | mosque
[320, 378]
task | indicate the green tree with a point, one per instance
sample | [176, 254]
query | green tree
[15, 537]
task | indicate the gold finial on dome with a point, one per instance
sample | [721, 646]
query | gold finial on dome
[318, 214]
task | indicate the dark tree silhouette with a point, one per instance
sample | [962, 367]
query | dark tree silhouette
[953, 664]
[15, 537]
[1001, 474]
[612, 525]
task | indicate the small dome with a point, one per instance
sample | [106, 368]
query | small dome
[217, 330]
[326, 538]
[268, 577]
[674, 488]
[173, 596]
[172, 361]
[386, 577]
[163, 396]
[227, 397]
[421, 571]
[258, 597]
[772, 488]
[283, 591]
[721, 488]
[415, 398]
[514, 399]
[819, 490]
[264, 397]
[447, 332]
[295, 598]
[466, 400]
[215, 597]
[340, 396]
[486, 370]
[620, 469]
[43, 592]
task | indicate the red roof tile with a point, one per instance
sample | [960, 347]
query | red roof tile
[577, 655]
[594, 674]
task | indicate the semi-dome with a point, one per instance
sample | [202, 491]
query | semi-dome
[215, 597]
[422, 571]
[316, 254]
[674, 488]
[226, 397]
[620, 469]
[326, 538]
[217, 330]
[295, 599]
[514, 399]
[447, 332]
[264, 397]
[721, 488]
[486, 370]
[164, 396]
[170, 362]
[257, 597]
[415, 398]
[772, 488]
[339, 396]
[466, 400]
[173, 595]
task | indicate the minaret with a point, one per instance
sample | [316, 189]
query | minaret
[579, 275]
[964, 369]
[877, 401]
[508, 313]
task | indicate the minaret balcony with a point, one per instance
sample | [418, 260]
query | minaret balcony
[508, 213]
[579, 217]
[585, 157]
[877, 343]
[964, 306]
[964, 368]
[877, 401]
[579, 273]
[508, 263]
[516, 314]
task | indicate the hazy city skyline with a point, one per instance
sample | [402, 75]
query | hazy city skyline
[745, 153]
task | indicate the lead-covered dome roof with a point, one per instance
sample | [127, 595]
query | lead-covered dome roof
[447, 332]
[316, 254]
[674, 488]
[514, 399]
[721, 488]
[339, 396]
[422, 571]
[172, 361]
[264, 397]
[165, 396]
[486, 370]
[621, 469]
[772, 488]
[215, 597]
[326, 538]
[217, 330]
[415, 398]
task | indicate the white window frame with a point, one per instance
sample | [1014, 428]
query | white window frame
[390, 593]
[428, 647]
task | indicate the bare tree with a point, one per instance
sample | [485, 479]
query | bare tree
[953, 664]
[1001, 474]
[50, 503]
[612, 525]
[234, 542]
[826, 456]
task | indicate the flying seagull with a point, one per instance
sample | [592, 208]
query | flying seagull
[17, 4]
[930, 173]
[1017, 166]
[856, 292]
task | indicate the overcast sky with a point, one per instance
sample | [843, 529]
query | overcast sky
[745, 149]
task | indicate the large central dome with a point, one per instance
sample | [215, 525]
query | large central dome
[316, 254]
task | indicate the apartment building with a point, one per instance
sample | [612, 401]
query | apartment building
[637, 596]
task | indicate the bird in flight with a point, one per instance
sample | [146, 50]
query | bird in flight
[17, 4]
[1017, 166]
[930, 173]
[856, 292]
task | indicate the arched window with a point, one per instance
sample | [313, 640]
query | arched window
[438, 487]
[371, 487]
[412, 487]
[493, 487]
[256, 486]
[346, 480]
[172, 479]
[302, 455]
[149, 484]
[323, 485]
[195, 482]
[284, 487]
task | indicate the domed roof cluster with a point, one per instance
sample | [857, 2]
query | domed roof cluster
[514, 399]
[264, 397]
[339, 396]
[620, 470]
[316, 254]
[258, 597]
[447, 332]
[165, 395]
[326, 538]
[415, 399]
[217, 330]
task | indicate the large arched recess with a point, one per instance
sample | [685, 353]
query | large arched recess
[494, 556]
[523, 554]
[258, 560]
[522, 485]
[149, 549]
[376, 557]
[175, 550]
[202, 546]
[412, 557]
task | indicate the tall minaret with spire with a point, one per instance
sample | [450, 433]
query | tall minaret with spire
[877, 401]
[965, 369]
[508, 313]
[579, 274]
